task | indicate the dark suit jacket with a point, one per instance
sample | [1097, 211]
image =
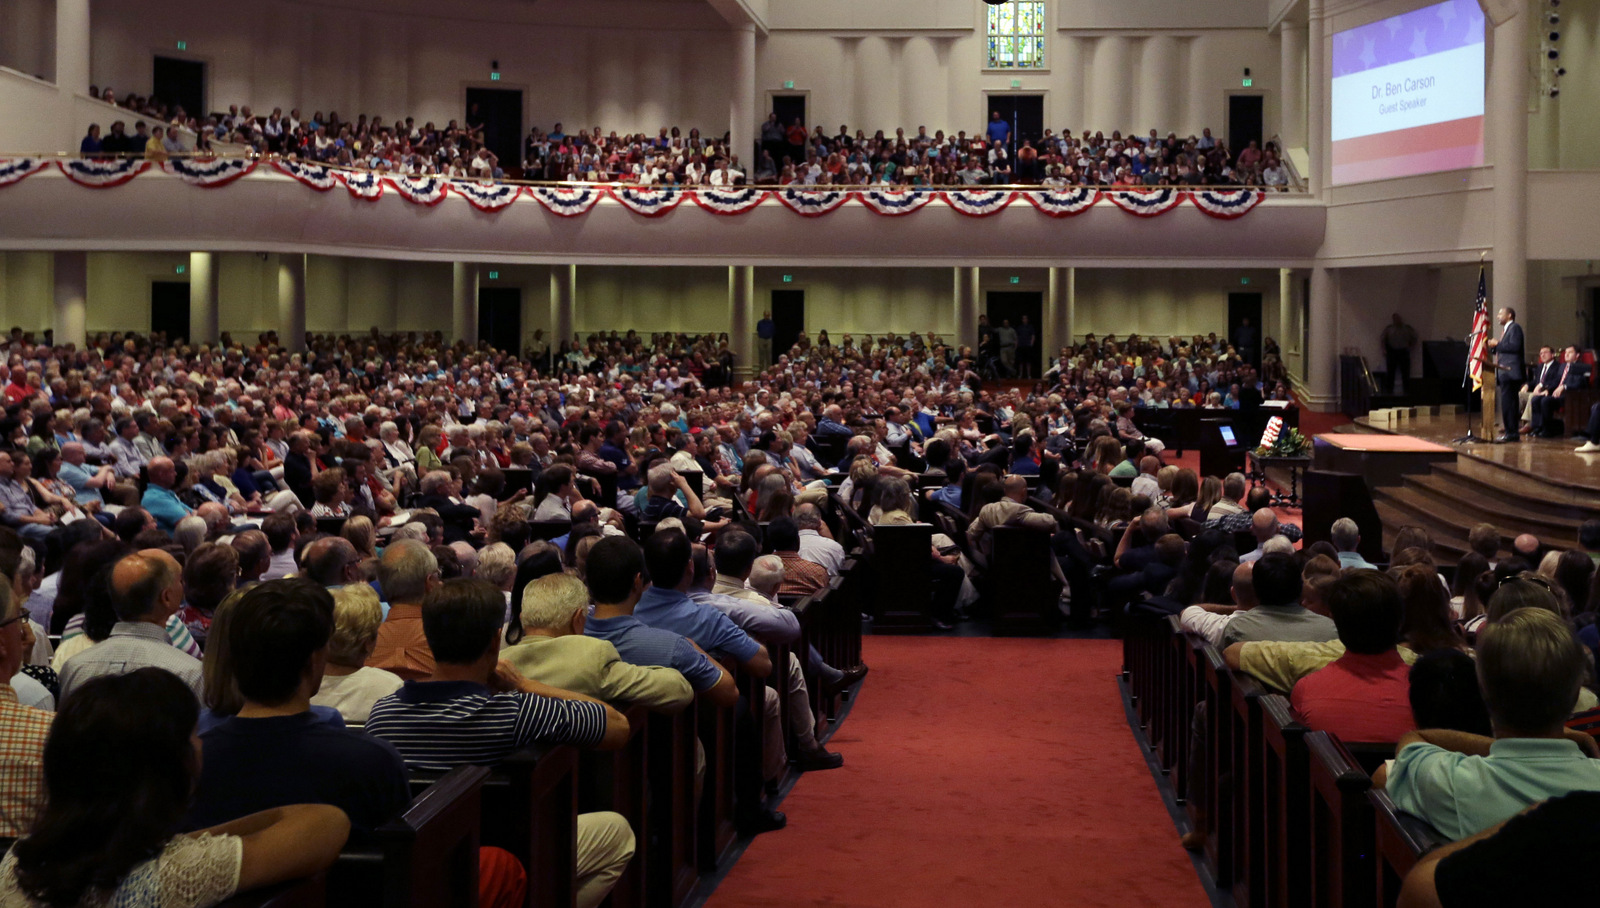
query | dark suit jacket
[1547, 375]
[1577, 376]
[1508, 354]
[457, 517]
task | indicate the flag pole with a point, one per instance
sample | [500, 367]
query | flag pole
[1479, 330]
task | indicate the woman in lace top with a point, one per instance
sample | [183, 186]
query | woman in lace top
[119, 768]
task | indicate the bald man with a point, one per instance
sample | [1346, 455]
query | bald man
[331, 561]
[146, 591]
[1263, 526]
[160, 496]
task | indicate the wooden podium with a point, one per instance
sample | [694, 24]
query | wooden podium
[1486, 422]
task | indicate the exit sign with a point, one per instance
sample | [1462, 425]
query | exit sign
[1016, 83]
[494, 77]
[1016, 280]
[788, 278]
[494, 275]
[183, 45]
[179, 269]
[788, 83]
[1247, 81]
[1244, 280]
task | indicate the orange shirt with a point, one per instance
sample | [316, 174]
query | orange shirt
[22, 734]
[801, 577]
[402, 647]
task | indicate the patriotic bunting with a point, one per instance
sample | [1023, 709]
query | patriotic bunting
[566, 202]
[15, 170]
[363, 184]
[729, 201]
[813, 203]
[485, 196]
[1146, 203]
[209, 173]
[896, 202]
[428, 191]
[979, 203]
[650, 201]
[1064, 203]
[1226, 203]
[316, 176]
[102, 173]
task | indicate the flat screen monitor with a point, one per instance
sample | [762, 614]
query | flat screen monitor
[1407, 94]
[1228, 438]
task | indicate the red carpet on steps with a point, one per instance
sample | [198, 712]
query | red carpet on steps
[978, 771]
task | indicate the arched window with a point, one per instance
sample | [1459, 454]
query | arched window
[1016, 35]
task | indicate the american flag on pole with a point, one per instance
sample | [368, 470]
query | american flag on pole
[1480, 334]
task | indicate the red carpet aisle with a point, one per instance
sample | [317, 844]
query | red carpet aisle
[978, 771]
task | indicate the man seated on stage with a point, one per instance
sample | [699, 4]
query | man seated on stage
[1569, 374]
[1541, 383]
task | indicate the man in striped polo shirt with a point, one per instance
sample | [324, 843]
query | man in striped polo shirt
[478, 710]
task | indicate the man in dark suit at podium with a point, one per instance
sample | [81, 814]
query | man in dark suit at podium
[1508, 375]
[1557, 380]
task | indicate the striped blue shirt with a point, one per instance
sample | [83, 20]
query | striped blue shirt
[437, 725]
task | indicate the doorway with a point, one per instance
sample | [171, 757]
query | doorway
[790, 108]
[1247, 340]
[169, 309]
[1025, 113]
[1013, 306]
[788, 319]
[181, 82]
[499, 112]
[1244, 122]
[500, 318]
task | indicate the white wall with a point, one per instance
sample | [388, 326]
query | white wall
[1563, 132]
[28, 37]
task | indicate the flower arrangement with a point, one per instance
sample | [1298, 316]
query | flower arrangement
[1289, 443]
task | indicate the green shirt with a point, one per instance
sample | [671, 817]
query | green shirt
[1460, 794]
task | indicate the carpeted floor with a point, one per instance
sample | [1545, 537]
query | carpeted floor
[978, 771]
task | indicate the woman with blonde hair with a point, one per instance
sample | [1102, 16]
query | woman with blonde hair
[349, 685]
[359, 532]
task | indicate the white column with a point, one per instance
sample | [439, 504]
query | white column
[741, 320]
[563, 303]
[203, 273]
[966, 301]
[742, 103]
[1109, 101]
[924, 101]
[464, 303]
[72, 64]
[1508, 124]
[72, 297]
[1285, 313]
[1157, 84]
[1057, 330]
[1316, 101]
[1292, 84]
[292, 302]
[1321, 360]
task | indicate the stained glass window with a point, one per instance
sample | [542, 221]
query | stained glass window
[1016, 35]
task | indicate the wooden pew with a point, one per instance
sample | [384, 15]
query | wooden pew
[1218, 805]
[1285, 799]
[1400, 841]
[902, 578]
[1249, 847]
[1025, 596]
[548, 529]
[427, 856]
[670, 866]
[715, 829]
[331, 525]
[517, 479]
[530, 808]
[1341, 826]
[616, 780]
[1186, 693]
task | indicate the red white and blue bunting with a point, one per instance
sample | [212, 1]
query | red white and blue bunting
[363, 184]
[427, 191]
[102, 173]
[729, 201]
[1146, 203]
[569, 203]
[485, 196]
[208, 173]
[15, 170]
[895, 202]
[650, 201]
[1063, 203]
[979, 203]
[813, 203]
[316, 176]
[1226, 203]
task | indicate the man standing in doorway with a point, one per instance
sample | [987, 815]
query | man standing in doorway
[1007, 336]
[999, 130]
[1245, 338]
[1398, 339]
[1025, 348]
[1508, 372]
[764, 340]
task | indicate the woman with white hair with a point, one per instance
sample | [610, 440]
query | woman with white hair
[348, 683]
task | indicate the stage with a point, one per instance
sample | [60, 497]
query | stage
[1545, 462]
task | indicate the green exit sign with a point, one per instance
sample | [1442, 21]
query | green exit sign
[494, 77]
[1244, 280]
[788, 278]
[179, 269]
[494, 275]
[183, 45]
[1015, 279]
[788, 83]
[1247, 81]
[1016, 83]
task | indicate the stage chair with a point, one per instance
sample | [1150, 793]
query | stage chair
[1401, 840]
[1341, 826]
[615, 780]
[1285, 797]
[426, 857]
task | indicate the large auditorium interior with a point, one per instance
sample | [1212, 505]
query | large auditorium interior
[875, 443]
